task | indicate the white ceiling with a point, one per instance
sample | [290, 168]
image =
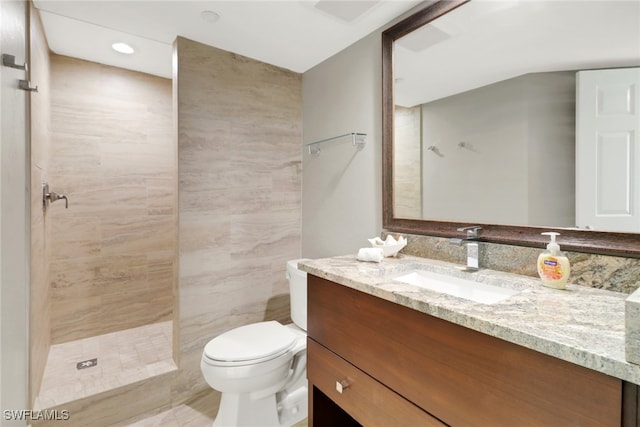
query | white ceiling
[479, 43]
[293, 34]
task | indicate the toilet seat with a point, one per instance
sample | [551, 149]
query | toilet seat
[250, 344]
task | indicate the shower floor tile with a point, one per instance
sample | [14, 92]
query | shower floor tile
[124, 357]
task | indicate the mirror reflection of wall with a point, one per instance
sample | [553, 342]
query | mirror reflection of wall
[407, 162]
[501, 153]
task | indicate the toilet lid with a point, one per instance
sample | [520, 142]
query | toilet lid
[256, 341]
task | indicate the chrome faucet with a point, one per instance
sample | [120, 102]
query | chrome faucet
[473, 248]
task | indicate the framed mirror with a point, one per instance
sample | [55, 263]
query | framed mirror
[485, 109]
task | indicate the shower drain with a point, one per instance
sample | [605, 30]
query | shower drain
[87, 363]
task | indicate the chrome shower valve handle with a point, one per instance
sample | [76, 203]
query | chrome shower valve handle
[52, 196]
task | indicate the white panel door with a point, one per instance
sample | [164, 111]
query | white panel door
[608, 150]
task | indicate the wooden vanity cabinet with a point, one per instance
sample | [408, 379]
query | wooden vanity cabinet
[376, 363]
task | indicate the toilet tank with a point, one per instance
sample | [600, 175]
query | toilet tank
[298, 292]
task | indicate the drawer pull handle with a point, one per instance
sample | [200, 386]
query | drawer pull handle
[342, 385]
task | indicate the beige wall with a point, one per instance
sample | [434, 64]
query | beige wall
[112, 253]
[342, 200]
[14, 212]
[239, 137]
[40, 295]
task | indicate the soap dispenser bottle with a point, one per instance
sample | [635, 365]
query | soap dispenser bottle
[553, 265]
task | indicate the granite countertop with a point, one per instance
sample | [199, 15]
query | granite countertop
[582, 325]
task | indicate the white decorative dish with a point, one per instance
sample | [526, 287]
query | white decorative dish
[390, 246]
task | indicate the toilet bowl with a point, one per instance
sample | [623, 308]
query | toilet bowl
[260, 368]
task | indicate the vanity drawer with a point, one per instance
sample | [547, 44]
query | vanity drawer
[365, 399]
[462, 377]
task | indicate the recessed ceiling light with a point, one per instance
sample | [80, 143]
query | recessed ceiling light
[123, 48]
[209, 16]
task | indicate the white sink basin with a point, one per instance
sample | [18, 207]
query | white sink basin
[457, 287]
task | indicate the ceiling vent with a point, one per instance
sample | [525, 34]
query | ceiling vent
[345, 10]
[428, 36]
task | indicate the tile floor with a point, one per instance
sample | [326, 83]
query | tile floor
[199, 412]
[124, 357]
[190, 415]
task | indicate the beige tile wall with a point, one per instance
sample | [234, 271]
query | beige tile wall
[239, 145]
[113, 252]
[40, 305]
[239, 133]
[408, 162]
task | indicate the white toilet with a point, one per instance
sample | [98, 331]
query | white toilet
[261, 368]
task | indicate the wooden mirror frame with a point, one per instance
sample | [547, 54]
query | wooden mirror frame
[598, 242]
